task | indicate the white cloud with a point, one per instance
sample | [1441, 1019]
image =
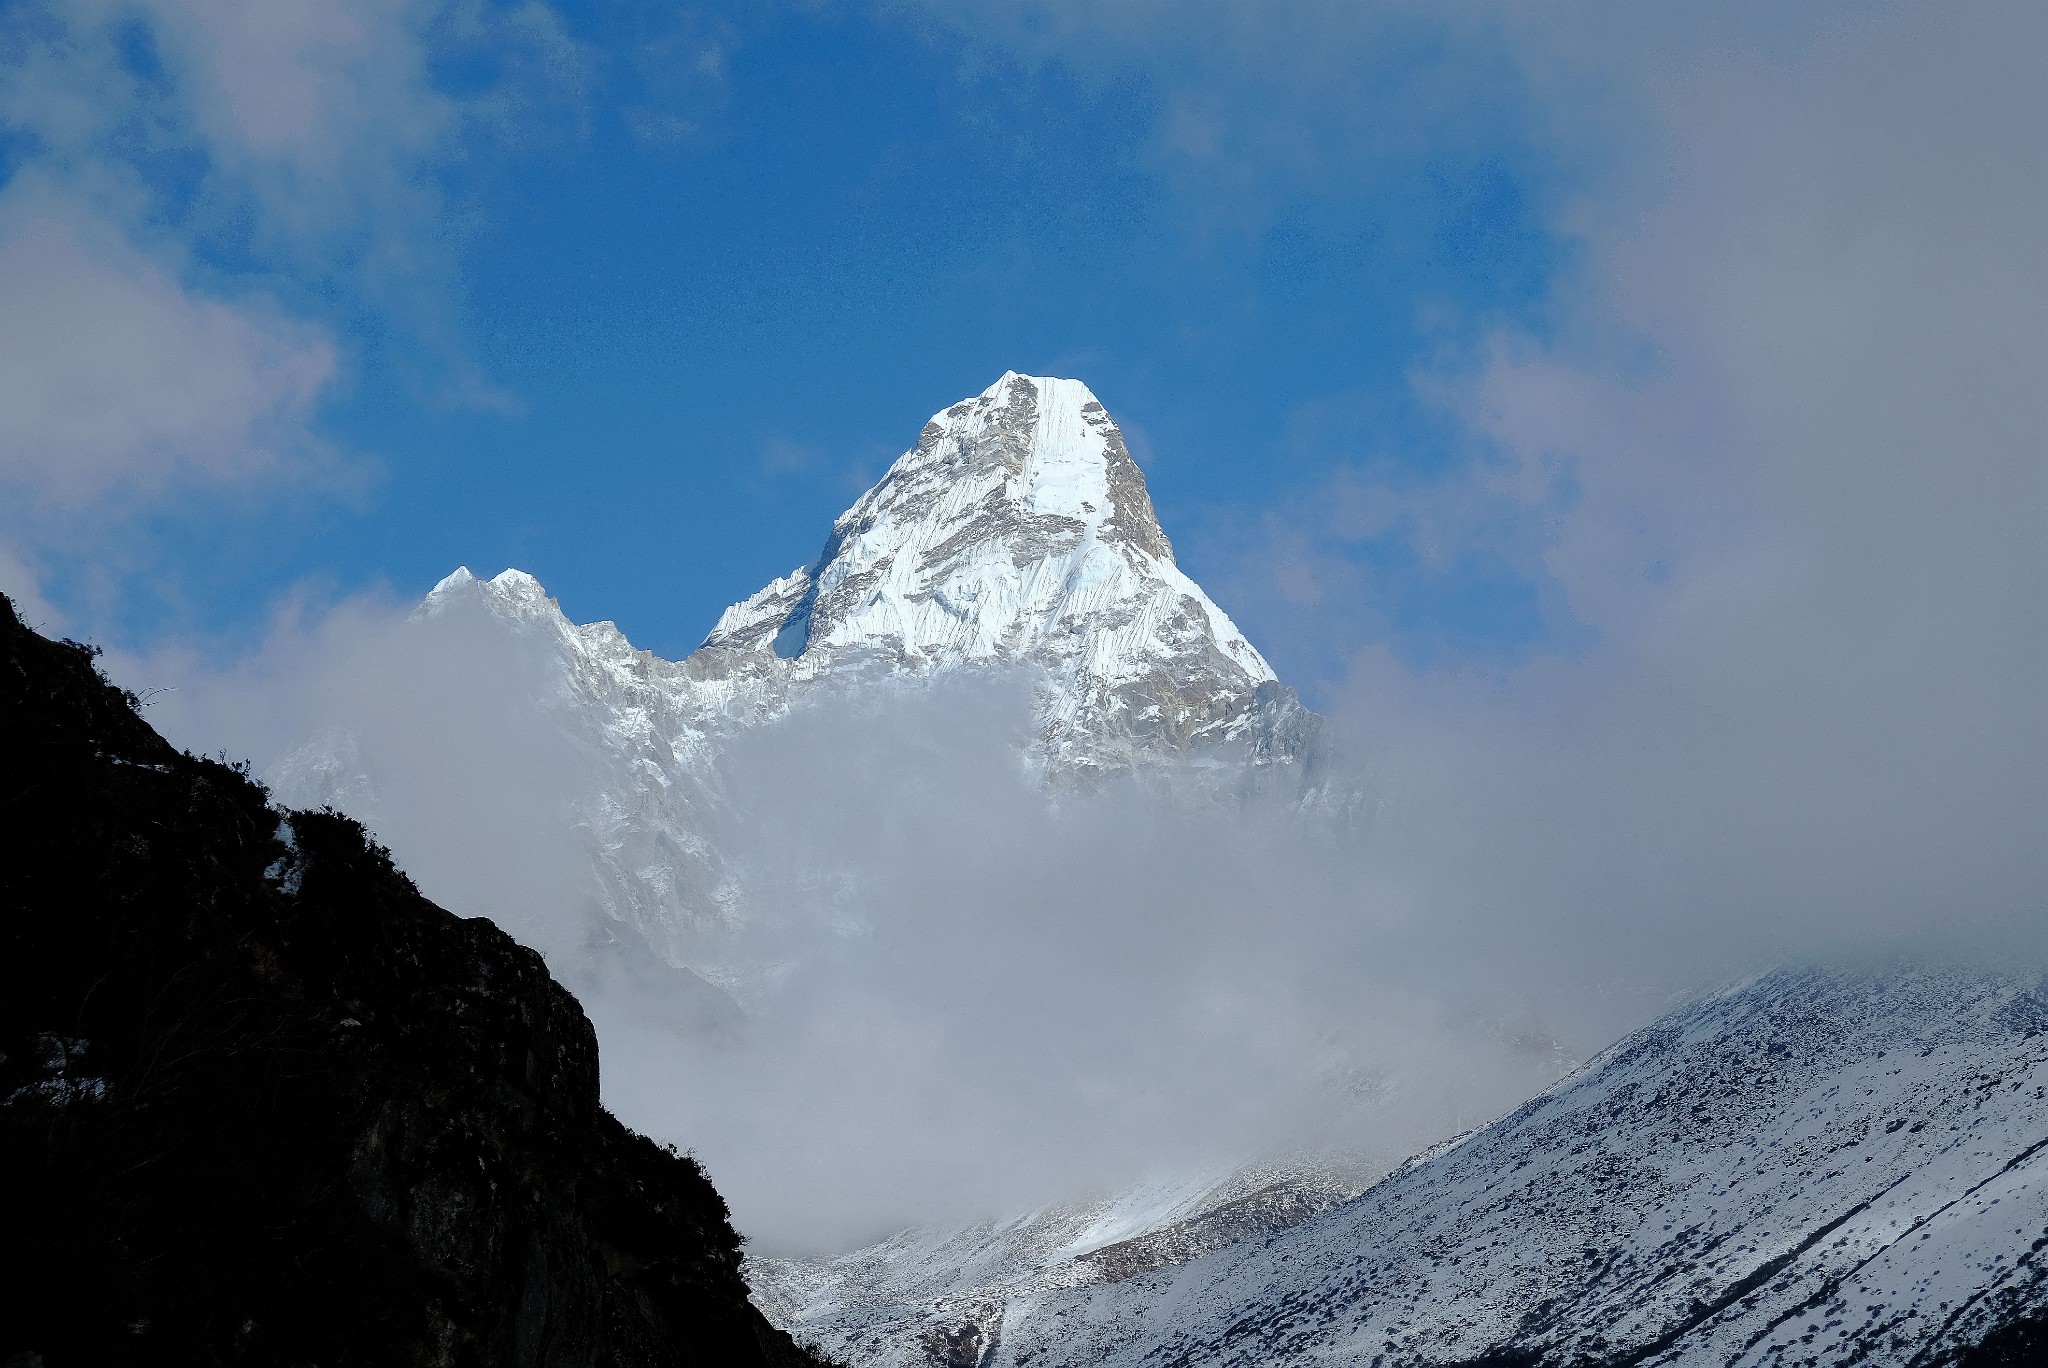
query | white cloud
[321, 114]
[1795, 402]
[117, 381]
[329, 121]
[207, 200]
[964, 1000]
[323, 123]
[19, 581]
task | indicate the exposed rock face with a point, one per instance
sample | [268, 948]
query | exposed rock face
[261, 1102]
[1266, 1211]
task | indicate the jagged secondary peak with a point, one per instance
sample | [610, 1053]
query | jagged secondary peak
[513, 590]
[594, 655]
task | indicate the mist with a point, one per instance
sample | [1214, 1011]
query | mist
[963, 995]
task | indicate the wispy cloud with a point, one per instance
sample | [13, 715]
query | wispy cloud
[118, 382]
[206, 206]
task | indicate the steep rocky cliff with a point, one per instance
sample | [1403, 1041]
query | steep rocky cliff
[262, 1103]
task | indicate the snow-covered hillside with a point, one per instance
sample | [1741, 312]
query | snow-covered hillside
[1813, 1168]
[942, 1294]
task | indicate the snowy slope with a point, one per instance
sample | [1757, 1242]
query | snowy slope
[929, 1292]
[1815, 1168]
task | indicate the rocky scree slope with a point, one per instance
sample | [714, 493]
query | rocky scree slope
[262, 1103]
[1815, 1168]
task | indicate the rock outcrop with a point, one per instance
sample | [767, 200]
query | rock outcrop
[263, 1103]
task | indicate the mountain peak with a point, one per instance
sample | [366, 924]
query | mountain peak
[1016, 533]
[1018, 530]
[1016, 536]
[512, 591]
[1049, 449]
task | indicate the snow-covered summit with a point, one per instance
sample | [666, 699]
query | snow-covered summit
[1018, 530]
[512, 593]
[1017, 533]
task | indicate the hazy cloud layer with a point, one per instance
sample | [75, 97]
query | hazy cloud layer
[962, 999]
[1786, 458]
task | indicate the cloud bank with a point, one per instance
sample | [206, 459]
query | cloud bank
[961, 999]
[1782, 464]
[119, 382]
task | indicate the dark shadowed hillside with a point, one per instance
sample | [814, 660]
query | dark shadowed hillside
[262, 1103]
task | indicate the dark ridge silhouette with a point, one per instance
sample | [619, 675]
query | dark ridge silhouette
[2021, 1343]
[263, 1103]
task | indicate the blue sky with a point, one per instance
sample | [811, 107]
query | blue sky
[638, 301]
[1468, 338]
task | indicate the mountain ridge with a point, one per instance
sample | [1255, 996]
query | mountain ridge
[1815, 1167]
[1015, 538]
